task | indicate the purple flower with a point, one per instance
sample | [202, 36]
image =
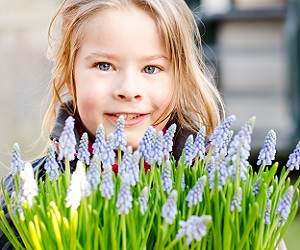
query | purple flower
[99, 144]
[195, 194]
[107, 186]
[146, 145]
[194, 228]
[51, 165]
[124, 200]
[285, 204]
[93, 172]
[237, 200]
[158, 148]
[166, 177]
[217, 165]
[168, 140]
[17, 164]
[108, 154]
[143, 200]
[129, 166]
[120, 141]
[189, 150]
[169, 209]
[199, 144]
[83, 152]
[268, 151]
[67, 141]
[294, 159]
[267, 216]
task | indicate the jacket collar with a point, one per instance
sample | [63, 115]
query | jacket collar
[67, 109]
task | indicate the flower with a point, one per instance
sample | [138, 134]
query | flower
[285, 204]
[194, 228]
[29, 188]
[294, 159]
[83, 152]
[79, 186]
[51, 165]
[129, 166]
[107, 185]
[217, 165]
[143, 200]
[98, 145]
[67, 141]
[189, 150]
[239, 151]
[146, 145]
[268, 150]
[237, 200]
[267, 216]
[93, 172]
[120, 141]
[166, 177]
[169, 209]
[195, 194]
[17, 164]
[158, 148]
[199, 144]
[124, 200]
[168, 140]
[108, 154]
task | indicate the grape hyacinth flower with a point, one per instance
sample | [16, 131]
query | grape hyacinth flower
[129, 166]
[195, 194]
[51, 165]
[29, 188]
[99, 144]
[189, 150]
[120, 141]
[268, 150]
[195, 228]
[78, 188]
[124, 200]
[145, 146]
[285, 204]
[108, 154]
[157, 149]
[199, 144]
[143, 200]
[217, 164]
[107, 186]
[168, 140]
[93, 172]
[239, 151]
[169, 209]
[294, 159]
[183, 182]
[67, 141]
[237, 200]
[83, 153]
[17, 164]
[256, 187]
[166, 177]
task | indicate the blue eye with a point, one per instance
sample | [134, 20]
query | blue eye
[103, 66]
[150, 69]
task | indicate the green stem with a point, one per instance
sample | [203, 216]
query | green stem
[123, 225]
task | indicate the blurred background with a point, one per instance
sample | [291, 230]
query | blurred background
[252, 48]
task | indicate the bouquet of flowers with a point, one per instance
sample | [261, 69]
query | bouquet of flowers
[209, 199]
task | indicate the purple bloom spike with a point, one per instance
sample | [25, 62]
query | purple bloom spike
[108, 154]
[195, 194]
[189, 151]
[17, 164]
[120, 141]
[67, 141]
[146, 144]
[294, 159]
[93, 172]
[237, 200]
[166, 177]
[199, 144]
[143, 200]
[284, 207]
[99, 144]
[51, 165]
[158, 148]
[217, 164]
[169, 209]
[268, 151]
[107, 186]
[168, 140]
[124, 200]
[83, 152]
[195, 228]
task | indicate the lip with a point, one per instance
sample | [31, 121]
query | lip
[111, 117]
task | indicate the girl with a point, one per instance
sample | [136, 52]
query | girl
[137, 58]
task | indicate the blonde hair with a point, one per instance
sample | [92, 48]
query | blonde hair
[196, 101]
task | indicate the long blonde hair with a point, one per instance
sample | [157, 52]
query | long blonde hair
[196, 101]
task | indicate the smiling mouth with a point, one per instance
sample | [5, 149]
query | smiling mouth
[131, 119]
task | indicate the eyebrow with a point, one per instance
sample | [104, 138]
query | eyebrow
[114, 57]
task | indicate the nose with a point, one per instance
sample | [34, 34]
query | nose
[128, 89]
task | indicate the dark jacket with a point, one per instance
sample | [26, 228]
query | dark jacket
[38, 165]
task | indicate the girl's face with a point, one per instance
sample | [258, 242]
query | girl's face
[122, 67]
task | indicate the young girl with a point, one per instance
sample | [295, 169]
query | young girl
[137, 58]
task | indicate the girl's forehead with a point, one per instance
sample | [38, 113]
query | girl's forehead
[115, 31]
